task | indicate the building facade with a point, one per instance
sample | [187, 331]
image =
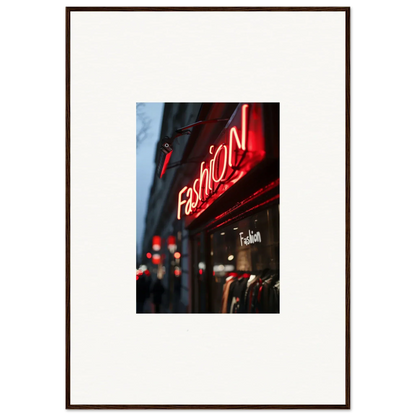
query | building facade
[212, 224]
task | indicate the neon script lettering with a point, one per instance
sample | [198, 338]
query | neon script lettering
[214, 171]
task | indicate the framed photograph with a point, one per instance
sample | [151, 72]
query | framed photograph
[208, 151]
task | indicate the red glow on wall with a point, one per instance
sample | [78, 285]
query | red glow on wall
[177, 272]
[177, 255]
[224, 163]
[269, 201]
[149, 255]
[241, 146]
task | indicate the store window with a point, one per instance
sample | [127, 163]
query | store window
[245, 265]
[199, 275]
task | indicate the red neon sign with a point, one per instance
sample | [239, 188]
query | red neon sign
[240, 147]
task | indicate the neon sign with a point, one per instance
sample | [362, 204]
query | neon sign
[240, 147]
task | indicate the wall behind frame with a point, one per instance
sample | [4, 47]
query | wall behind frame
[311, 91]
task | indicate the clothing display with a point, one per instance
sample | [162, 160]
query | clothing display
[236, 294]
[251, 293]
[226, 289]
[245, 263]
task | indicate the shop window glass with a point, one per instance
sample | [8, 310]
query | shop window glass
[247, 249]
[199, 275]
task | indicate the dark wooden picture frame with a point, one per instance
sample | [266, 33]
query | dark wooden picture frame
[346, 10]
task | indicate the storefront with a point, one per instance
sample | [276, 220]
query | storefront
[224, 189]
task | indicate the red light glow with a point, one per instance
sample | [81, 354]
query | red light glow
[171, 243]
[156, 259]
[165, 163]
[177, 255]
[180, 202]
[240, 149]
[224, 163]
[171, 240]
[149, 255]
[156, 243]
[200, 271]
[241, 144]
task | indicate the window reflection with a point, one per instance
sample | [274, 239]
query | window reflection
[249, 248]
